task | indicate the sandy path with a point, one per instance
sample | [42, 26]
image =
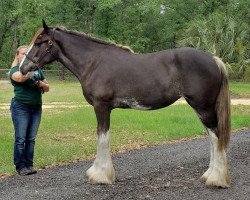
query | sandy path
[52, 105]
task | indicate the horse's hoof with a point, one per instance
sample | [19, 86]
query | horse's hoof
[217, 184]
[100, 177]
[105, 181]
[220, 182]
[100, 180]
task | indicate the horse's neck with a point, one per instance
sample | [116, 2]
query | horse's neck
[76, 57]
[70, 66]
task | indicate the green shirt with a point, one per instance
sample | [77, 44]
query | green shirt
[28, 92]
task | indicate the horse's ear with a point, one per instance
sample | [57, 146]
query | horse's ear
[45, 27]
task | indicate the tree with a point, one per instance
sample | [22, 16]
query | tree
[220, 27]
[224, 35]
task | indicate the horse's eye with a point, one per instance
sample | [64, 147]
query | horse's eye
[37, 43]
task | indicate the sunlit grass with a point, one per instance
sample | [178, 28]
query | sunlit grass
[239, 89]
[68, 134]
[71, 91]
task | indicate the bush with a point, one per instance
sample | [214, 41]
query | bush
[246, 77]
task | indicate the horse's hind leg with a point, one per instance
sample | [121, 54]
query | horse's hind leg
[211, 163]
[102, 170]
[217, 173]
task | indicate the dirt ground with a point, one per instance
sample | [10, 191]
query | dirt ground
[170, 171]
[5, 106]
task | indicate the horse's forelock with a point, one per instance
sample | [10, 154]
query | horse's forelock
[39, 32]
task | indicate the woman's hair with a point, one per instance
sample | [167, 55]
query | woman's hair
[16, 61]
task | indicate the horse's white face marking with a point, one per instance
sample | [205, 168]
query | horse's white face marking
[25, 56]
[133, 103]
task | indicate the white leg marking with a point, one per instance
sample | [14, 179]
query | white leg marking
[217, 174]
[25, 56]
[211, 164]
[102, 170]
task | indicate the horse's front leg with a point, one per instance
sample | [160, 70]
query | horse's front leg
[102, 170]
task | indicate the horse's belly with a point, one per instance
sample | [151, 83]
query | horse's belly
[145, 104]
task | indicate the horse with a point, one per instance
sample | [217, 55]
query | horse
[113, 76]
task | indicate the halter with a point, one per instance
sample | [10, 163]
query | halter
[47, 50]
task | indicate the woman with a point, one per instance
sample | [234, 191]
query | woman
[26, 110]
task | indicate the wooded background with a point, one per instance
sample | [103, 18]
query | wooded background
[220, 27]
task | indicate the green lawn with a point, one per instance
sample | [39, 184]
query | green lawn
[70, 91]
[68, 134]
[240, 90]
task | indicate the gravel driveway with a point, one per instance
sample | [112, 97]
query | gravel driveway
[169, 171]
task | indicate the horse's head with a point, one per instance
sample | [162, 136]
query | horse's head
[43, 50]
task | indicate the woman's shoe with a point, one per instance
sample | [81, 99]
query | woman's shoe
[31, 170]
[23, 172]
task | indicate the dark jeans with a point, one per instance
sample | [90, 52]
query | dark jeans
[26, 121]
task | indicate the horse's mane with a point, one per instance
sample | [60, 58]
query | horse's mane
[82, 34]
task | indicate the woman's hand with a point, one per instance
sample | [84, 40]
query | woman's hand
[44, 85]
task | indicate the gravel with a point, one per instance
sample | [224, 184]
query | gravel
[169, 171]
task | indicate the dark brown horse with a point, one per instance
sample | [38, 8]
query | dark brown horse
[113, 76]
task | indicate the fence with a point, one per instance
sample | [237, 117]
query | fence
[58, 74]
[63, 73]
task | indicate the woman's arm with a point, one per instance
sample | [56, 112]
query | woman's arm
[19, 77]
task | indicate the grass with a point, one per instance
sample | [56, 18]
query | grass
[70, 91]
[59, 92]
[68, 134]
[240, 90]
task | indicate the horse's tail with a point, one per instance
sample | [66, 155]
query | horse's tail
[223, 108]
